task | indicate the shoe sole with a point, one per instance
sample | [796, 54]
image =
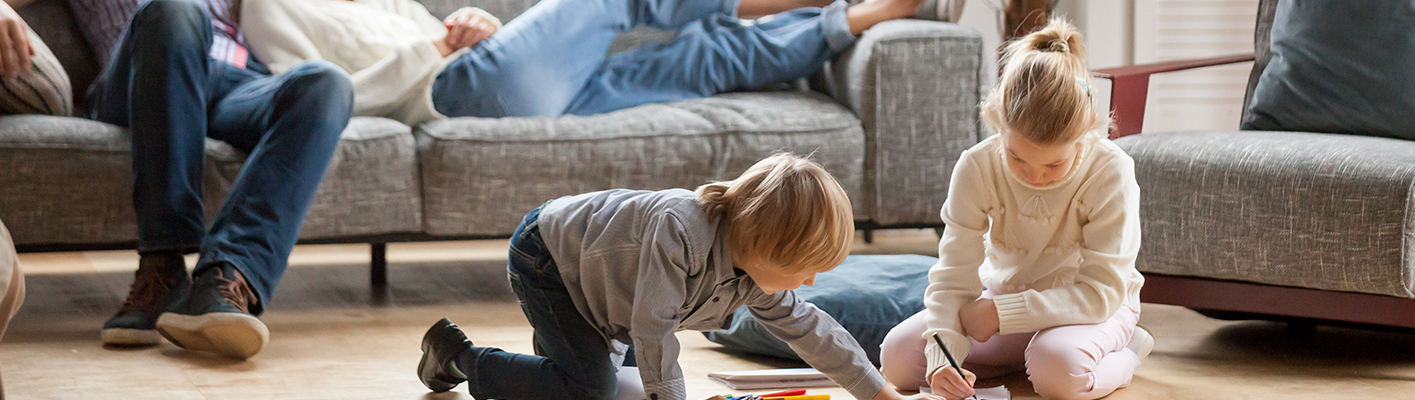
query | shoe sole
[434, 384]
[234, 335]
[129, 337]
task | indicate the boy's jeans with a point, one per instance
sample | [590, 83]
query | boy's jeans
[577, 364]
[164, 87]
[551, 60]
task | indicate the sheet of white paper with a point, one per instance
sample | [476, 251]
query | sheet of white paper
[992, 393]
[631, 386]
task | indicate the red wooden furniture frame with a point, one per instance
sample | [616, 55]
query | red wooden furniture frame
[1131, 85]
[1228, 299]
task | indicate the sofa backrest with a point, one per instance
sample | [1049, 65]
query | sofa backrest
[1262, 49]
[506, 10]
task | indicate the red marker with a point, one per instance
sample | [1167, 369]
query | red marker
[796, 392]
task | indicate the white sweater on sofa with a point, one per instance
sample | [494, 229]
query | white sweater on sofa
[386, 46]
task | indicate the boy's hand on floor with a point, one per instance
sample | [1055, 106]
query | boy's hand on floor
[980, 320]
[466, 28]
[15, 50]
[947, 382]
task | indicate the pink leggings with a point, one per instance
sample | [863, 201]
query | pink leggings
[1064, 362]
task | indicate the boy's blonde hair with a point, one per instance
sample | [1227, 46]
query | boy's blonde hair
[1044, 93]
[786, 212]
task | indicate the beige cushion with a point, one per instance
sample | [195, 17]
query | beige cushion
[44, 89]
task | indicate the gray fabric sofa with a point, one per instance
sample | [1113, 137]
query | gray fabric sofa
[1308, 228]
[888, 118]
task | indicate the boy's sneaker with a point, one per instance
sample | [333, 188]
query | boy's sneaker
[215, 317]
[1141, 342]
[441, 345]
[940, 10]
[160, 281]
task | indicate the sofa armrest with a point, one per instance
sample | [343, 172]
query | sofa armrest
[1131, 85]
[915, 86]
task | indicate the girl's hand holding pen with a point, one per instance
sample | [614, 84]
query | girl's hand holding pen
[947, 383]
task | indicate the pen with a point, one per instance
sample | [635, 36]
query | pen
[951, 363]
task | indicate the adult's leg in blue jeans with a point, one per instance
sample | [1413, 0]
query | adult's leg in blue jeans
[538, 62]
[577, 363]
[157, 85]
[718, 54]
[290, 124]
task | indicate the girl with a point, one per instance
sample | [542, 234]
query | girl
[600, 271]
[1036, 266]
[550, 61]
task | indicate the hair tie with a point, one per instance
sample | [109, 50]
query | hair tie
[1083, 84]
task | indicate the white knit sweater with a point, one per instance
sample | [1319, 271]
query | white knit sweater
[1057, 255]
[384, 45]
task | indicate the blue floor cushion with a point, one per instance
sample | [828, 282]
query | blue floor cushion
[867, 294]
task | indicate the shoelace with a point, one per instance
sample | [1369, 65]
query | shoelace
[142, 295]
[235, 292]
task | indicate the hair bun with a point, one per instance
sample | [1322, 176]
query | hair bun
[1057, 45]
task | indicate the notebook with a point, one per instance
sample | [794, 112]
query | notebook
[772, 379]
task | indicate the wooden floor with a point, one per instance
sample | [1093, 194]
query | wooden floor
[331, 338]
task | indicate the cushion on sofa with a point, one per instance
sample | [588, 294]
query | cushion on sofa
[66, 180]
[1330, 212]
[480, 176]
[371, 186]
[1339, 67]
[868, 295]
[43, 89]
[52, 20]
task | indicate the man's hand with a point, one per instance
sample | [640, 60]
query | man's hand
[979, 319]
[466, 28]
[15, 50]
[947, 382]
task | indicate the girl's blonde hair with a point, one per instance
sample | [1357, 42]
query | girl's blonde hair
[1044, 93]
[786, 212]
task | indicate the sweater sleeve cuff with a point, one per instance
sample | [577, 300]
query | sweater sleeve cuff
[666, 390]
[957, 344]
[481, 12]
[1012, 313]
[867, 386]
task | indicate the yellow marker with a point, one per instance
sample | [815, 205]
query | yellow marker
[802, 397]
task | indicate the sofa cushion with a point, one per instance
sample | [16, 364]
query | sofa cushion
[1339, 67]
[1318, 211]
[71, 181]
[66, 180]
[480, 176]
[867, 295]
[371, 187]
[43, 89]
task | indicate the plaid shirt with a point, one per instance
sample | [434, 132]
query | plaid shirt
[103, 22]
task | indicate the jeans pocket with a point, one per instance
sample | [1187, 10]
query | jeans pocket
[481, 107]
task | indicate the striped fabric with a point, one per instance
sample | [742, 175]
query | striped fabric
[44, 89]
[103, 22]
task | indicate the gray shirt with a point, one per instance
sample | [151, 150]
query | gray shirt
[642, 265]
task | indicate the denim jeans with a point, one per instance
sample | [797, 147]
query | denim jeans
[550, 61]
[577, 362]
[164, 87]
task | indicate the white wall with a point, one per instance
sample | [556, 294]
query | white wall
[1127, 32]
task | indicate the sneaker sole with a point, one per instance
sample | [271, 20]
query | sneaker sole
[233, 335]
[129, 337]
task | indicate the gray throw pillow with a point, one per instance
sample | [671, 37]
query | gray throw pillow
[1339, 67]
[43, 89]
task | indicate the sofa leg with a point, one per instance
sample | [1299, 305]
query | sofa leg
[378, 265]
[869, 235]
